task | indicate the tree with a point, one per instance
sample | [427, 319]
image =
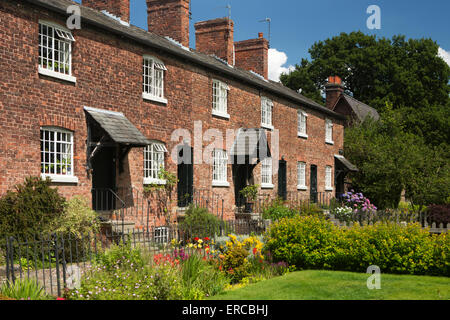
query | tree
[407, 73]
[391, 160]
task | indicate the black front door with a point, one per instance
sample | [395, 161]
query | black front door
[185, 174]
[282, 188]
[313, 182]
[104, 179]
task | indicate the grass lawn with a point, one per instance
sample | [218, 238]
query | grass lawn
[336, 285]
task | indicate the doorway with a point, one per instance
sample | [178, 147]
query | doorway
[185, 175]
[282, 177]
[104, 179]
[313, 182]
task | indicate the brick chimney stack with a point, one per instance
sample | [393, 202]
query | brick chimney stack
[169, 18]
[216, 37]
[253, 55]
[119, 8]
[333, 90]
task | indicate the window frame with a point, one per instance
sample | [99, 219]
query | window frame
[157, 67]
[65, 36]
[220, 162]
[220, 100]
[267, 172]
[57, 177]
[329, 131]
[151, 154]
[328, 178]
[301, 166]
[302, 118]
[266, 108]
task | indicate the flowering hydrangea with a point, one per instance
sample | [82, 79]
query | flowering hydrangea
[358, 202]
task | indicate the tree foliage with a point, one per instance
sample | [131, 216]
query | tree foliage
[407, 73]
[391, 160]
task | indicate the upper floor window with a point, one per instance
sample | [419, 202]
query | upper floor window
[220, 99]
[329, 131]
[153, 79]
[154, 162]
[219, 172]
[301, 176]
[328, 179]
[55, 51]
[266, 173]
[266, 113]
[57, 154]
[302, 117]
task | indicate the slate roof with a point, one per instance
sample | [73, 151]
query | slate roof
[361, 109]
[251, 142]
[118, 127]
[100, 20]
[346, 163]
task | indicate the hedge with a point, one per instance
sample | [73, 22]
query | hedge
[313, 243]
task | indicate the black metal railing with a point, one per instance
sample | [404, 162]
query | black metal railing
[54, 260]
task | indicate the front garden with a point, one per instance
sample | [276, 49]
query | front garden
[303, 253]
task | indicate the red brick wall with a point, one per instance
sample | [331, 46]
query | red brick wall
[108, 71]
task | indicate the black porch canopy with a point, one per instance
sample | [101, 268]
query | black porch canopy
[111, 129]
[118, 127]
[347, 165]
[251, 144]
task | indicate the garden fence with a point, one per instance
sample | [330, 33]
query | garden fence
[55, 260]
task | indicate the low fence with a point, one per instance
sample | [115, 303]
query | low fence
[55, 260]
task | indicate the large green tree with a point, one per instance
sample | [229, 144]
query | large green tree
[407, 73]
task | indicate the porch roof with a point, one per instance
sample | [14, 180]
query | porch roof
[347, 164]
[252, 143]
[118, 127]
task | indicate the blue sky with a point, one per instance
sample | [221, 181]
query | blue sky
[296, 25]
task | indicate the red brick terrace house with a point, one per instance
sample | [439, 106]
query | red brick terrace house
[105, 106]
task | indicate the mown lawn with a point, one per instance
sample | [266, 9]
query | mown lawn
[336, 285]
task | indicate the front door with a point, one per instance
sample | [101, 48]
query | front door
[104, 179]
[313, 182]
[185, 174]
[282, 188]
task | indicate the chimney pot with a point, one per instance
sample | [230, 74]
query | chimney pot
[261, 35]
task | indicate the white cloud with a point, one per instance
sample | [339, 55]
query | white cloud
[441, 53]
[277, 60]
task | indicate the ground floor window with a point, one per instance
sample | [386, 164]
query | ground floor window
[154, 162]
[56, 152]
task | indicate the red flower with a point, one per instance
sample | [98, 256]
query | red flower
[59, 298]
[206, 239]
[255, 251]
[196, 238]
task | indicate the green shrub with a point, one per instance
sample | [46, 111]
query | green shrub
[23, 289]
[198, 222]
[30, 209]
[310, 209]
[77, 219]
[236, 264]
[122, 255]
[313, 243]
[278, 210]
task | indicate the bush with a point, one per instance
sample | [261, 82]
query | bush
[278, 210]
[30, 209]
[438, 214]
[312, 243]
[198, 222]
[310, 209]
[78, 219]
